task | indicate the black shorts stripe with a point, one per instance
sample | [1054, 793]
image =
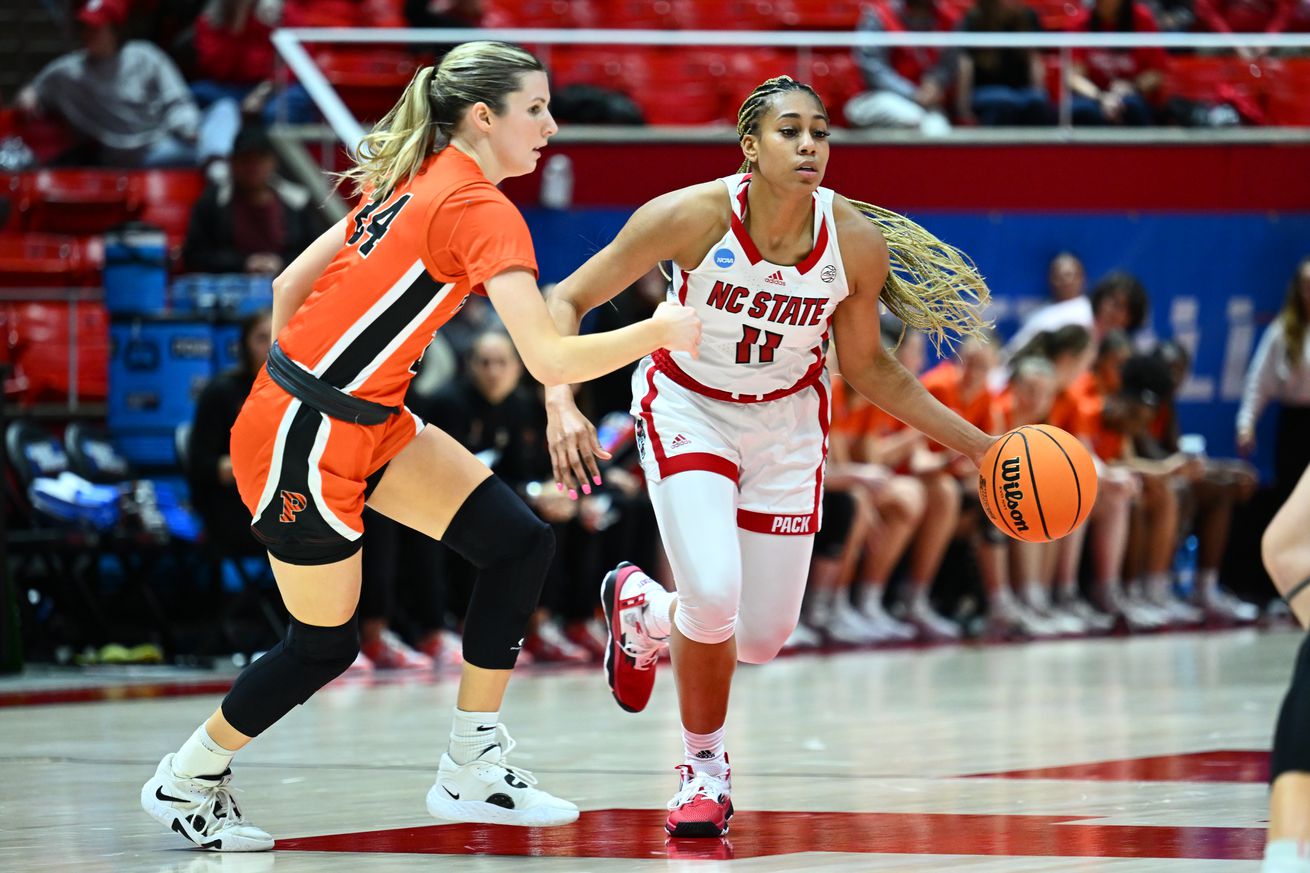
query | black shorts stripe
[370, 343]
[310, 532]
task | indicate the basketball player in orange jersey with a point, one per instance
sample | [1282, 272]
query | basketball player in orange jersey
[324, 431]
[733, 442]
[1286, 549]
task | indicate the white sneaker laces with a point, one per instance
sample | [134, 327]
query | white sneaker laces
[507, 744]
[641, 647]
[700, 785]
[219, 808]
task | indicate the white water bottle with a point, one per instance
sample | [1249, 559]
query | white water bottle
[557, 183]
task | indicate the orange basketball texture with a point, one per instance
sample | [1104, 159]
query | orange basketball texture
[1037, 483]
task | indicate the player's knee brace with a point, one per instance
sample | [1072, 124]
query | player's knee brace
[289, 673]
[1291, 751]
[496, 532]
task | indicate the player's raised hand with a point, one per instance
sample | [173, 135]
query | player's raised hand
[681, 325]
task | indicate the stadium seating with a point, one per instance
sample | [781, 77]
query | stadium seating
[76, 201]
[367, 80]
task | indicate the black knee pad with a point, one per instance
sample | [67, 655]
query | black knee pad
[289, 673]
[1292, 736]
[496, 532]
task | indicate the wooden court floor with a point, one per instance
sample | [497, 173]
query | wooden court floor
[1126, 754]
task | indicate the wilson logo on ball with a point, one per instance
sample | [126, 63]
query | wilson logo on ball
[1037, 483]
[1013, 492]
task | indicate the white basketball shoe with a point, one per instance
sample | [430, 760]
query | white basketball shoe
[201, 809]
[491, 791]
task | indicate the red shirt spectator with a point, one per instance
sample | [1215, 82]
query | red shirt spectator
[1244, 16]
[912, 62]
[1106, 66]
[232, 41]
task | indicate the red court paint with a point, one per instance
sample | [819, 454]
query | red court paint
[639, 833]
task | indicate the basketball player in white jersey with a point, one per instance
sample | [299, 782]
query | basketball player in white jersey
[733, 440]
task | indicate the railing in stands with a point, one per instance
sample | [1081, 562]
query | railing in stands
[290, 44]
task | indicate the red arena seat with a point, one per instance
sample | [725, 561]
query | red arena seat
[169, 196]
[33, 260]
[367, 80]
[77, 201]
[40, 340]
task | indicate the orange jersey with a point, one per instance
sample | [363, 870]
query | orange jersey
[945, 382]
[406, 265]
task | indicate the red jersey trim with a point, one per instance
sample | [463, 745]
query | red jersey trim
[665, 364]
[684, 462]
[753, 253]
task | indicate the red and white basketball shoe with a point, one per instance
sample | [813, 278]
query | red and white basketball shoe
[702, 806]
[631, 653]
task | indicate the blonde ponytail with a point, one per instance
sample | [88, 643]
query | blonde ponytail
[431, 108]
[932, 287]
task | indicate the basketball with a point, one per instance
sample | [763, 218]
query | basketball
[1037, 483]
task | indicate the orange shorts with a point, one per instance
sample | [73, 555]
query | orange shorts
[305, 476]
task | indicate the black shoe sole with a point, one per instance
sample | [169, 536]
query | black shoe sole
[702, 829]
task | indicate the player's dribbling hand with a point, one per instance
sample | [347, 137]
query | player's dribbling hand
[681, 327]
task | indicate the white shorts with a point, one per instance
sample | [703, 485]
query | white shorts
[774, 450]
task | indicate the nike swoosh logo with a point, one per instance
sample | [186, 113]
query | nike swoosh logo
[452, 794]
[160, 795]
[485, 727]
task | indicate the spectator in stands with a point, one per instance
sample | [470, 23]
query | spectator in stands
[234, 58]
[254, 221]
[1245, 16]
[1026, 399]
[444, 13]
[1046, 574]
[494, 416]
[1005, 86]
[1067, 280]
[209, 471]
[1280, 371]
[1126, 418]
[1117, 86]
[908, 452]
[1208, 505]
[889, 506]
[127, 99]
[907, 85]
[1173, 16]
[1119, 302]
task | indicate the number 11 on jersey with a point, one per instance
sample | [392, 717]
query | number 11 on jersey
[750, 338]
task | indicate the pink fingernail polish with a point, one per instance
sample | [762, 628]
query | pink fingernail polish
[573, 495]
[586, 489]
[559, 486]
[596, 479]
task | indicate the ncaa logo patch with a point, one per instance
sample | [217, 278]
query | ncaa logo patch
[829, 274]
[724, 258]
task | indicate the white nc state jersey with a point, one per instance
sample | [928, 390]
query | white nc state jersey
[765, 325]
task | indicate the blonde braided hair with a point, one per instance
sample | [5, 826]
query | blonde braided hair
[932, 286]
